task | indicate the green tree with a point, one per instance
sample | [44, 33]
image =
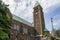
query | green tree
[4, 22]
[46, 34]
[58, 33]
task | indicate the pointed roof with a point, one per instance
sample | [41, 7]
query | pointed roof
[36, 4]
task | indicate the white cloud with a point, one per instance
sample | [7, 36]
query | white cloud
[56, 22]
[48, 3]
[44, 3]
[25, 11]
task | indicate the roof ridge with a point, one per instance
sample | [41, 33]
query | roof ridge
[15, 17]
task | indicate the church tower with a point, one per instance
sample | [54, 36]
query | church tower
[38, 18]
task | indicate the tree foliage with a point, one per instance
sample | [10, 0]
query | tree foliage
[4, 22]
[46, 34]
[58, 33]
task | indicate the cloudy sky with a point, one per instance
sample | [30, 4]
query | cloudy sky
[24, 9]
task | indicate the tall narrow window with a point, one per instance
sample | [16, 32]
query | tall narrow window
[14, 26]
[21, 30]
[17, 27]
[29, 33]
[25, 30]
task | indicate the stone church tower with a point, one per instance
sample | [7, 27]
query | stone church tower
[38, 19]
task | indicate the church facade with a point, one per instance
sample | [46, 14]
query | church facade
[23, 30]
